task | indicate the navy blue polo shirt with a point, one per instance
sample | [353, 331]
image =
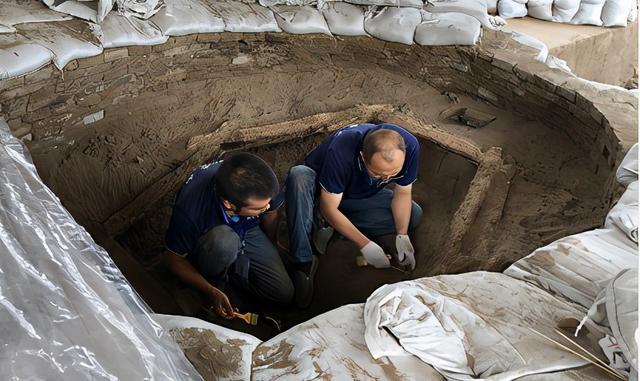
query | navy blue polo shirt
[198, 208]
[340, 168]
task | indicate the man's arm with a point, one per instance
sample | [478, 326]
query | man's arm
[188, 274]
[401, 208]
[329, 203]
[269, 225]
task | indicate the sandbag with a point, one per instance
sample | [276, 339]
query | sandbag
[564, 10]
[589, 13]
[182, 17]
[247, 18]
[447, 28]
[94, 11]
[633, 11]
[19, 56]
[116, 31]
[344, 19]
[392, 24]
[512, 8]
[389, 3]
[143, 9]
[540, 9]
[13, 12]
[615, 12]
[68, 40]
[473, 8]
[270, 3]
[300, 20]
[492, 6]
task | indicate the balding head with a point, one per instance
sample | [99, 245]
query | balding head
[383, 152]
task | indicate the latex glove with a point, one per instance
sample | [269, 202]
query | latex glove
[375, 256]
[406, 253]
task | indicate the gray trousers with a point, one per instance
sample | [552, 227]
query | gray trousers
[217, 251]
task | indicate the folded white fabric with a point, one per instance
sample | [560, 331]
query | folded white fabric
[300, 19]
[589, 13]
[512, 8]
[447, 28]
[392, 24]
[344, 19]
[470, 326]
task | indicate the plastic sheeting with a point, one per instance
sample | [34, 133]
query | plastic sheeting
[589, 13]
[622, 313]
[13, 12]
[248, 18]
[232, 349]
[67, 312]
[393, 24]
[627, 171]
[68, 40]
[94, 11]
[447, 29]
[19, 56]
[344, 19]
[182, 17]
[470, 326]
[512, 8]
[300, 20]
[332, 346]
[116, 31]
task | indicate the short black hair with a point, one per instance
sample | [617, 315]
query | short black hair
[242, 176]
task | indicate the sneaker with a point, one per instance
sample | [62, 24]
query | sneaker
[322, 233]
[303, 277]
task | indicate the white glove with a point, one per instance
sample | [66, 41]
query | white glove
[406, 253]
[375, 256]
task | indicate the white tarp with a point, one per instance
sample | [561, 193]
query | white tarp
[564, 10]
[116, 31]
[139, 8]
[470, 326]
[512, 8]
[94, 11]
[331, 346]
[19, 56]
[248, 18]
[183, 17]
[344, 19]
[300, 19]
[624, 215]
[13, 12]
[627, 171]
[67, 40]
[622, 313]
[589, 13]
[447, 28]
[392, 24]
[231, 350]
[66, 310]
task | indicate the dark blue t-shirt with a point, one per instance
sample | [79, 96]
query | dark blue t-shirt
[197, 209]
[340, 168]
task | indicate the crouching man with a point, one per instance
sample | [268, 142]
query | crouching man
[223, 226]
[346, 180]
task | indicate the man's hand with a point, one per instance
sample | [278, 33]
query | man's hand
[221, 304]
[406, 253]
[375, 256]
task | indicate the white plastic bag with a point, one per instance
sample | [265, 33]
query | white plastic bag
[300, 20]
[393, 24]
[344, 19]
[447, 28]
[247, 18]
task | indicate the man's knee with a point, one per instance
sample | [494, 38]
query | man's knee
[283, 291]
[220, 244]
[416, 215]
[301, 178]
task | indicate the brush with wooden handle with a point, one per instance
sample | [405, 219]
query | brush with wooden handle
[250, 318]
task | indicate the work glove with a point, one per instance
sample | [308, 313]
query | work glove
[375, 256]
[406, 253]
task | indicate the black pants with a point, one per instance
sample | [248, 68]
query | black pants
[218, 249]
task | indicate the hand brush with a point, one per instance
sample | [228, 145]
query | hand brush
[250, 318]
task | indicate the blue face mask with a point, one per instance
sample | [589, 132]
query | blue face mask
[234, 218]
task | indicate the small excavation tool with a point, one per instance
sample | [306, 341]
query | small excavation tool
[250, 318]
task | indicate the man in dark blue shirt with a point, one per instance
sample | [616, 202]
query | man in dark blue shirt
[346, 179]
[223, 224]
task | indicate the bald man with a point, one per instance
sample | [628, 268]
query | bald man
[346, 180]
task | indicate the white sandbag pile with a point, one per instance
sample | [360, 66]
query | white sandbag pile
[609, 13]
[94, 11]
[392, 24]
[247, 18]
[300, 19]
[541, 9]
[448, 28]
[473, 8]
[512, 8]
[589, 13]
[564, 10]
[13, 12]
[615, 12]
[19, 55]
[183, 17]
[67, 40]
[344, 19]
[389, 3]
[116, 31]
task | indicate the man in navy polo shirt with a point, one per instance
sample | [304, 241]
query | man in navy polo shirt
[346, 179]
[223, 225]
